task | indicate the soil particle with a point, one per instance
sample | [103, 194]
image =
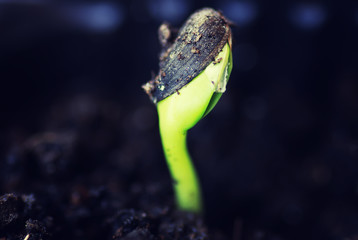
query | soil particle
[217, 61]
[17, 221]
[35, 229]
[10, 208]
[195, 50]
[180, 56]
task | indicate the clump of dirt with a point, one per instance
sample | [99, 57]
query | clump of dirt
[16, 218]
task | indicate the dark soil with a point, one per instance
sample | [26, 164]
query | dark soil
[96, 171]
[83, 180]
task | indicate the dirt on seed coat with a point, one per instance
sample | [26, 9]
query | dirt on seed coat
[199, 41]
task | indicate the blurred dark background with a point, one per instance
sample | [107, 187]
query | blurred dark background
[280, 150]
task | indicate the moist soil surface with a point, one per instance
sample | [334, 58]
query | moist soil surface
[89, 177]
[96, 171]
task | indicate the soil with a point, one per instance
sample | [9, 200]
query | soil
[96, 171]
[82, 181]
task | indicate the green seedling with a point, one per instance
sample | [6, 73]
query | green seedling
[183, 107]
[180, 112]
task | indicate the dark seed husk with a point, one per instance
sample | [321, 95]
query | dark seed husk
[198, 42]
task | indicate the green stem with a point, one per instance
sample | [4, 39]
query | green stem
[185, 180]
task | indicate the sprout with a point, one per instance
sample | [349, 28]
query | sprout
[201, 58]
